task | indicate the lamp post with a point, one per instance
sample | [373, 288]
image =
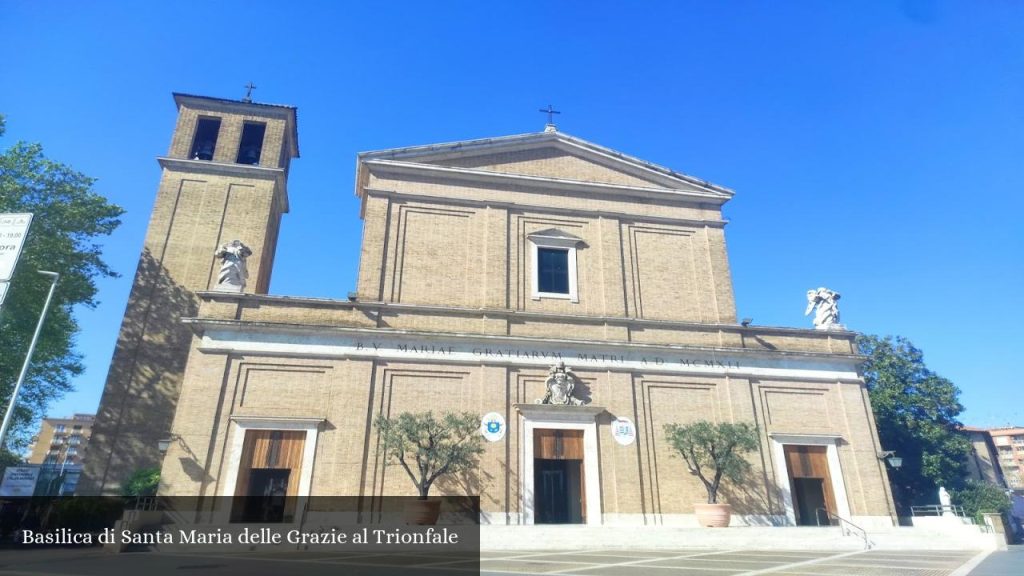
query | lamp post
[9, 415]
[890, 456]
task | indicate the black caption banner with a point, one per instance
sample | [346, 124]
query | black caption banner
[250, 536]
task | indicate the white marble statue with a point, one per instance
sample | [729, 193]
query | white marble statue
[945, 502]
[560, 384]
[827, 304]
[233, 273]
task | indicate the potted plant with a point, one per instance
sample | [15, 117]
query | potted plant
[429, 447]
[713, 453]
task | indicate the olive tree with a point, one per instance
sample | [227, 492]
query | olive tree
[714, 452]
[428, 447]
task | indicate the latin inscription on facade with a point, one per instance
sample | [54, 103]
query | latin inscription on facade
[541, 356]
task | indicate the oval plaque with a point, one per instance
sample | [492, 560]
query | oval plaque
[492, 426]
[624, 431]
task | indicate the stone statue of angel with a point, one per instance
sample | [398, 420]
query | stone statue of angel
[233, 273]
[827, 304]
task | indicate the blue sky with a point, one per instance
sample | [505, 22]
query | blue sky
[874, 147]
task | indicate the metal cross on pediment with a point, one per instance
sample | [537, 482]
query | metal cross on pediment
[248, 91]
[551, 113]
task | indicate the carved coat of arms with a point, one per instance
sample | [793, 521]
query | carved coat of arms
[560, 385]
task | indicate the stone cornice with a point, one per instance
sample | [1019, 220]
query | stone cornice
[538, 182]
[378, 306]
[202, 325]
[297, 420]
[557, 413]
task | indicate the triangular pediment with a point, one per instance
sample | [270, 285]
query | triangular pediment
[549, 155]
[553, 233]
[551, 162]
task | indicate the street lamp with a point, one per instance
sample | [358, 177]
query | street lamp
[28, 357]
[164, 444]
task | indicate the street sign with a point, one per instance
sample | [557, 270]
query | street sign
[3, 291]
[13, 231]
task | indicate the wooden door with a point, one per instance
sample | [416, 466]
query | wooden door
[809, 463]
[558, 444]
[268, 475]
[560, 450]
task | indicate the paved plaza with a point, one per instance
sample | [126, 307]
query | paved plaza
[730, 563]
[694, 562]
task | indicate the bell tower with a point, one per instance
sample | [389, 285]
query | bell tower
[223, 179]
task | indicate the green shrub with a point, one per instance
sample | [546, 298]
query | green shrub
[143, 482]
[979, 497]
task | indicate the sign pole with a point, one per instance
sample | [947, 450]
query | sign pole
[8, 416]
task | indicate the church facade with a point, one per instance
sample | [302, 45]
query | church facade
[578, 297]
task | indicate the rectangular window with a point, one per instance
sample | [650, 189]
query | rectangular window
[553, 270]
[205, 141]
[252, 143]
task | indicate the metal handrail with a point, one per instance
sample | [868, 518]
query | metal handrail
[937, 510]
[845, 525]
[146, 503]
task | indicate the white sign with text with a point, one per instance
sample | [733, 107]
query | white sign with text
[13, 231]
[19, 481]
[624, 431]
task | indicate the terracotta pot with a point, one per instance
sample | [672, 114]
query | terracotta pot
[713, 515]
[422, 512]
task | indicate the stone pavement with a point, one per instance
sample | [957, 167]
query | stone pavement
[1008, 562]
[727, 563]
[597, 562]
[794, 538]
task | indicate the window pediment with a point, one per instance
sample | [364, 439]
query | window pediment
[555, 238]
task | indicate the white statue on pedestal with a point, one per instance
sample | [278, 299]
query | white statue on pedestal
[233, 273]
[945, 502]
[827, 303]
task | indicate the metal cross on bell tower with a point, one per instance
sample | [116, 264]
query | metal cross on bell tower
[550, 111]
[248, 91]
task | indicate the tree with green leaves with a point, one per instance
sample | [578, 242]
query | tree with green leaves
[714, 452]
[142, 482]
[428, 447]
[68, 219]
[916, 413]
[8, 458]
